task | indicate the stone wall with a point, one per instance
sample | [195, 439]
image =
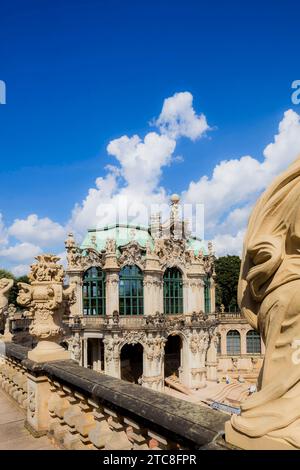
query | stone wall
[80, 409]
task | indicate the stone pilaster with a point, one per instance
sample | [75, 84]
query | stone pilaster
[111, 269]
[38, 394]
[112, 364]
[153, 362]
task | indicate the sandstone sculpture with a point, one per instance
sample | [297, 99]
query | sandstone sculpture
[46, 300]
[269, 297]
[5, 286]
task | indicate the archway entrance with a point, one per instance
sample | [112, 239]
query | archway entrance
[132, 362]
[173, 355]
[95, 354]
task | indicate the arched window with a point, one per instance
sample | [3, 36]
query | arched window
[253, 342]
[93, 292]
[207, 295]
[233, 341]
[173, 292]
[131, 298]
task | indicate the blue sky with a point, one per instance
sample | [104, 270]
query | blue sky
[80, 74]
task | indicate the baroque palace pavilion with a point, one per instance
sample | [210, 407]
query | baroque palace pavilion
[144, 308]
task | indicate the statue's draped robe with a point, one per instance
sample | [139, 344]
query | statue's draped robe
[269, 297]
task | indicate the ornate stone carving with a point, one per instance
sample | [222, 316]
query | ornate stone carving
[110, 245]
[157, 320]
[131, 254]
[199, 341]
[75, 347]
[31, 400]
[133, 337]
[170, 252]
[155, 348]
[46, 299]
[111, 349]
[5, 286]
[82, 259]
[46, 269]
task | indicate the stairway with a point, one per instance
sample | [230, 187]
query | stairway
[174, 382]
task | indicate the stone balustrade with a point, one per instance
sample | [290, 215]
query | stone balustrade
[81, 409]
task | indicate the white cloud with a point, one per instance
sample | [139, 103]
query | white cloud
[20, 252]
[3, 231]
[41, 231]
[20, 270]
[229, 244]
[135, 183]
[142, 161]
[235, 184]
[179, 119]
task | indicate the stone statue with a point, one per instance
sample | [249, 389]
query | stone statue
[269, 298]
[46, 299]
[5, 286]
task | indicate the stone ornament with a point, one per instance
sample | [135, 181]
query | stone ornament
[269, 297]
[81, 259]
[131, 254]
[5, 286]
[46, 299]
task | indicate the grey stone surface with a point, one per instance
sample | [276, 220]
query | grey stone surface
[189, 423]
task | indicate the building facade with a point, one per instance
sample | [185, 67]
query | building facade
[240, 348]
[145, 303]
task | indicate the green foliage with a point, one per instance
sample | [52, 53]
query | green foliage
[12, 297]
[227, 277]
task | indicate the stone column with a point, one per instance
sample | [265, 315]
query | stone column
[111, 269]
[153, 373]
[194, 294]
[211, 358]
[223, 340]
[197, 348]
[153, 285]
[85, 352]
[112, 365]
[212, 294]
[37, 419]
[243, 332]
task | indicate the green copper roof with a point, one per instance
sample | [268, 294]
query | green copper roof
[123, 234]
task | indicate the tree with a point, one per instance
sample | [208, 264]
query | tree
[12, 297]
[227, 277]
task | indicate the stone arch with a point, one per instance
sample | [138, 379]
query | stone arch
[233, 342]
[131, 361]
[177, 359]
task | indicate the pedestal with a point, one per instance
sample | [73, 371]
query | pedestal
[48, 351]
[37, 420]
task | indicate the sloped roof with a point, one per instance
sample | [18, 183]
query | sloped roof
[123, 234]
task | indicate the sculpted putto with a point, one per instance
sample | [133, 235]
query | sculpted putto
[269, 297]
[5, 286]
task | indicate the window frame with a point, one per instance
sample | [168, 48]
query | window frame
[253, 340]
[231, 347]
[131, 303]
[173, 291]
[94, 282]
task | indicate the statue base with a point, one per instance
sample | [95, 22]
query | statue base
[244, 442]
[46, 351]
